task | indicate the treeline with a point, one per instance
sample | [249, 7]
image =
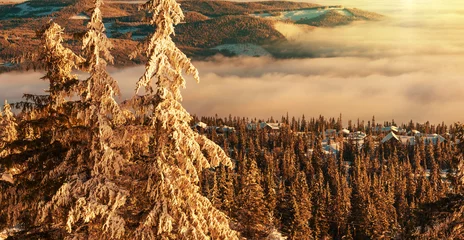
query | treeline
[282, 179]
[365, 14]
[234, 29]
[220, 8]
[328, 19]
[320, 124]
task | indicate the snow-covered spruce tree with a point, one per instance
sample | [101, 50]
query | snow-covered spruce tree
[35, 151]
[91, 194]
[59, 62]
[457, 175]
[8, 129]
[177, 209]
[253, 217]
[8, 134]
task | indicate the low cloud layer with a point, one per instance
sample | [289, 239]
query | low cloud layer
[409, 66]
[401, 88]
[420, 88]
[355, 87]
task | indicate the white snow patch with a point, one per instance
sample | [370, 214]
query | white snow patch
[297, 15]
[344, 12]
[125, 29]
[246, 49]
[7, 177]
[443, 174]
[10, 232]
[6, 64]
[50, 11]
[108, 27]
[26, 9]
[138, 37]
[80, 16]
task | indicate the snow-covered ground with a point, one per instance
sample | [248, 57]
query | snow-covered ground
[111, 29]
[26, 9]
[6, 64]
[108, 27]
[138, 37]
[245, 49]
[45, 13]
[80, 16]
[9, 232]
[296, 15]
[443, 173]
[344, 12]
[125, 29]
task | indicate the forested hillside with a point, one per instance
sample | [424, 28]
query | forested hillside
[315, 181]
[220, 8]
[77, 164]
[208, 24]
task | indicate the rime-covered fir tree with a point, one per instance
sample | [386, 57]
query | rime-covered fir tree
[94, 195]
[69, 179]
[177, 209]
[88, 168]
[8, 129]
[35, 147]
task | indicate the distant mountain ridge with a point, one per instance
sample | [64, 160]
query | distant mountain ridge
[207, 24]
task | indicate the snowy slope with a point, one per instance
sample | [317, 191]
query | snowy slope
[26, 10]
[297, 15]
[246, 49]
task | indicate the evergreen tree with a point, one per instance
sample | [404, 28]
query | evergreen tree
[226, 189]
[320, 202]
[79, 166]
[301, 202]
[270, 185]
[8, 129]
[92, 194]
[252, 214]
[359, 216]
[457, 167]
[178, 210]
[41, 152]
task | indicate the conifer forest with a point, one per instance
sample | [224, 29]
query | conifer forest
[76, 163]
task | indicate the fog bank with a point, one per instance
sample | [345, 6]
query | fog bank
[400, 88]
[409, 66]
